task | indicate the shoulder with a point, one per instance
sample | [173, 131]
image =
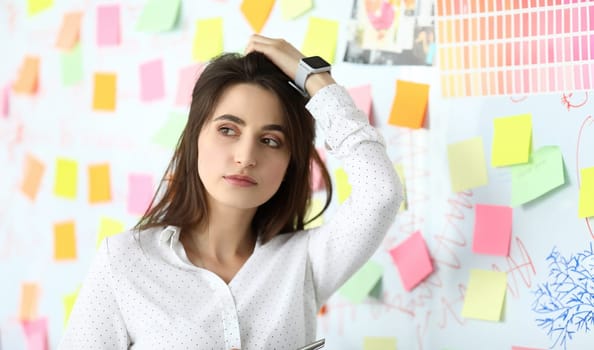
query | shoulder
[132, 242]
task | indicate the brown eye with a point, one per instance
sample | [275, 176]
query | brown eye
[271, 142]
[227, 131]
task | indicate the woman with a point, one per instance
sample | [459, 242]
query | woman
[221, 260]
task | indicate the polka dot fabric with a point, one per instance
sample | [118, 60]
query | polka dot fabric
[142, 292]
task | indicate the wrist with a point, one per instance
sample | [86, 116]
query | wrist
[317, 81]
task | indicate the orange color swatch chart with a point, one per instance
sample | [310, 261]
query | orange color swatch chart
[520, 47]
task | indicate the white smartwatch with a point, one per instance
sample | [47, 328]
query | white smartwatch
[308, 66]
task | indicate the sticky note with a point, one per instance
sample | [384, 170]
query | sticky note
[151, 81]
[512, 137]
[467, 164]
[158, 16]
[27, 80]
[315, 207]
[4, 100]
[140, 193]
[320, 38]
[317, 180]
[36, 334]
[400, 172]
[64, 241]
[362, 97]
[168, 135]
[68, 301]
[36, 6]
[29, 301]
[99, 183]
[104, 93]
[524, 348]
[586, 194]
[208, 39]
[108, 25]
[430, 54]
[492, 229]
[32, 175]
[409, 105]
[69, 31]
[343, 187]
[107, 228]
[291, 9]
[485, 295]
[256, 12]
[412, 259]
[185, 85]
[72, 66]
[543, 173]
[65, 184]
[358, 287]
[379, 343]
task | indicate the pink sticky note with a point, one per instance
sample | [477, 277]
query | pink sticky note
[317, 181]
[4, 100]
[36, 334]
[151, 80]
[492, 229]
[412, 259]
[524, 348]
[185, 85]
[140, 193]
[362, 97]
[108, 25]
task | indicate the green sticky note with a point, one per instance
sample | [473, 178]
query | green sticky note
[400, 172]
[540, 175]
[485, 295]
[65, 184]
[343, 187]
[68, 301]
[586, 199]
[315, 206]
[36, 6]
[468, 167]
[158, 16]
[379, 343]
[511, 140]
[168, 135]
[320, 38]
[358, 287]
[72, 68]
[294, 8]
[108, 227]
[208, 39]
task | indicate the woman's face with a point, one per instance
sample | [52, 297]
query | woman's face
[242, 149]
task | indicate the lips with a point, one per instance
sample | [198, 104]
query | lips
[240, 180]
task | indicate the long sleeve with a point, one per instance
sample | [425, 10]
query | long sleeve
[95, 321]
[341, 246]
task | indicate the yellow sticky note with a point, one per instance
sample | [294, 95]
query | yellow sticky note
[315, 206]
[586, 201]
[468, 167]
[208, 39]
[99, 183]
[27, 80]
[343, 187]
[409, 105]
[320, 38]
[70, 30]
[66, 178]
[379, 343]
[400, 172]
[104, 93]
[294, 8]
[29, 301]
[107, 228]
[64, 241]
[511, 140]
[33, 174]
[36, 6]
[485, 295]
[256, 12]
[68, 301]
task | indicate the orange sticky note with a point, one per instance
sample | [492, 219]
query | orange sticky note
[70, 31]
[104, 95]
[256, 12]
[34, 169]
[410, 104]
[99, 183]
[65, 184]
[28, 77]
[29, 301]
[64, 241]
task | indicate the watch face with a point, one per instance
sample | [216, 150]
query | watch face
[316, 62]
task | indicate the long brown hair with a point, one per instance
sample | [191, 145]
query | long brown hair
[180, 199]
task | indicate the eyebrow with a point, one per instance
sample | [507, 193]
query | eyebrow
[237, 120]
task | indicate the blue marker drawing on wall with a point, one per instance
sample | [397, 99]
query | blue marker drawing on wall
[564, 304]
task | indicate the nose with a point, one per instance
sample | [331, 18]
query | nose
[245, 155]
